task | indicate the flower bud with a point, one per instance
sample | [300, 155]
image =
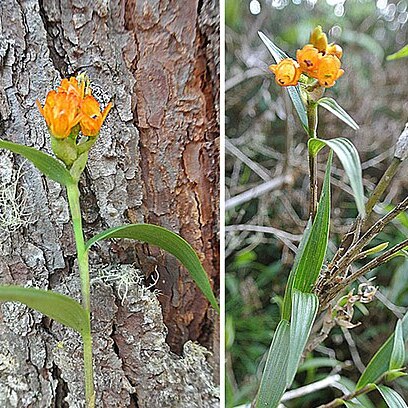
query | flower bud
[318, 39]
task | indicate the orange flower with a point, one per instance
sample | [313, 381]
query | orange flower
[308, 58]
[336, 50]
[61, 112]
[287, 72]
[92, 117]
[72, 86]
[328, 71]
[318, 39]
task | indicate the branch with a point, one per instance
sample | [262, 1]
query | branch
[386, 256]
[258, 191]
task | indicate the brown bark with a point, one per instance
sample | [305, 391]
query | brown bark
[156, 161]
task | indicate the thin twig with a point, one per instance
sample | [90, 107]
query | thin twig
[382, 185]
[353, 350]
[258, 191]
[255, 167]
[386, 256]
[310, 388]
[354, 250]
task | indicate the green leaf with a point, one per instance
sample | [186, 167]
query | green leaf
[170, 242]
[304, 310]
[287, 301]
[332, 106]
[350, 160]
[55, 305]
[398, 349]
[311, 260]
[380, 362]
[350, 386]
[312, 249]
[402, 53]
[49, 166]
[294, 91]
[374, 250]
[273, 382]
[391, 397]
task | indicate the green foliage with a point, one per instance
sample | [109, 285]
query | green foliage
[170, 242]
[350, 160]
[312, 257]
[402, 53]
[391, 397]
[332, 106]
[49, 166]
[54, 305]
[293, 91]
[380, 363]
[304, 310]
[273, 383]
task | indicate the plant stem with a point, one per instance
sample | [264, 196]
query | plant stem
[312, 125]
[382, 185]
[82, 254]
[338, 402]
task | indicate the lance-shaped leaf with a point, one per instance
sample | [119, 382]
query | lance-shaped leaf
[273, 382]
[350, 160]
[312, 249]
[55, 305]
[294, 91]
[391, 397]
[380, 363]
[332, 106]
[304, 310]
[398, 348]
[170, 242]
[311, 260]
[49, 166]
[287, 301]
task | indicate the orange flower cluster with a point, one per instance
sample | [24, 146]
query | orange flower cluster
[318, 60]
[72, 104]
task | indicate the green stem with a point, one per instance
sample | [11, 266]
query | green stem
[382, 185]
[312, 125]
[82, 254]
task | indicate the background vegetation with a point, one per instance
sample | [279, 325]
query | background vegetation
[265, 142]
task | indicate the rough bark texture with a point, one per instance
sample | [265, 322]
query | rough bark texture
[155, 161]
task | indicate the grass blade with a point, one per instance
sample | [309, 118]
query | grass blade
[170, 242]
[273, 382]
[49, 166]
[304, 310]
[332, 106]
[55, 305]
[294, 91]
[349, 158]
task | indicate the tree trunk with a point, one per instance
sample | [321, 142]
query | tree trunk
[156, 161]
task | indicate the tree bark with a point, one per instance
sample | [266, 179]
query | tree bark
[156, 161]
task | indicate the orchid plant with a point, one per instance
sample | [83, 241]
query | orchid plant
[316, 287]
[74, 119]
